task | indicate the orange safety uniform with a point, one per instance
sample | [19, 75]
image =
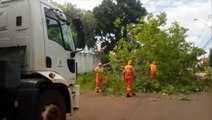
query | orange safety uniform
[128, 77]
[99, 77]
[153, 70]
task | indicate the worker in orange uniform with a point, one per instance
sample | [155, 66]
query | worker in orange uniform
[153, 69]
[99, 77]
[128, 74]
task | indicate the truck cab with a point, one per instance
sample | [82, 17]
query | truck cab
[37, 60]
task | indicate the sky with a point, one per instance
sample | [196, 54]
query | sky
[182, 11]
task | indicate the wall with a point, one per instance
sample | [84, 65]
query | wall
[87, 62]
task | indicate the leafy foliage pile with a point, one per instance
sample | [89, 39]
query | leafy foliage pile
[176, 59]
[115, 85]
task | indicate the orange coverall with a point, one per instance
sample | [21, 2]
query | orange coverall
[128, 77]
[153, 69]
[99, 77]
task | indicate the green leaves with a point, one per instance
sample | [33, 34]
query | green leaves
[176, 58]
[90, 24]
[113, 16]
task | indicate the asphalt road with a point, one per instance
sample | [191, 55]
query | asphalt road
[144, 107]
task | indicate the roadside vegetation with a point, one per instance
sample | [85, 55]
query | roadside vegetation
[176, 59]
[115, 85]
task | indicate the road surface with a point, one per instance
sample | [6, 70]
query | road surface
[144, 107]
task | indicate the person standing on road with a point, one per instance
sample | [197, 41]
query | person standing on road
[128, 74]
[153, 69]
[99, 77]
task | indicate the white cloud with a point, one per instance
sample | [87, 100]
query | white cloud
[83, 4]
[184, 12]
[87, 4]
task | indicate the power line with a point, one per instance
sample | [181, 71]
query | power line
[207, 43]
[203, 29]
[206, 37]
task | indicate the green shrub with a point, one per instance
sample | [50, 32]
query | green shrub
[87, 81]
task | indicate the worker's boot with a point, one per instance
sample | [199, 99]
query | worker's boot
[133, 94]
[97, 91]
[128, 95]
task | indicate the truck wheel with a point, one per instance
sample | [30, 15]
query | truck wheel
[51, 106]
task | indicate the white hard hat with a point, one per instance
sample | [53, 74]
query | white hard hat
[99, 64]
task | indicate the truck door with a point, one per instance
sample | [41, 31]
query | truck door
[58, 44]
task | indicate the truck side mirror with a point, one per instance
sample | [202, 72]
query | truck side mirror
[73, 54]
[80, 33]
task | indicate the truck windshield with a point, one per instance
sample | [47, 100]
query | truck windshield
[58, 29]
[67, 36]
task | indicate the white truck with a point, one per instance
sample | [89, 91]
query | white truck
[37, 61]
